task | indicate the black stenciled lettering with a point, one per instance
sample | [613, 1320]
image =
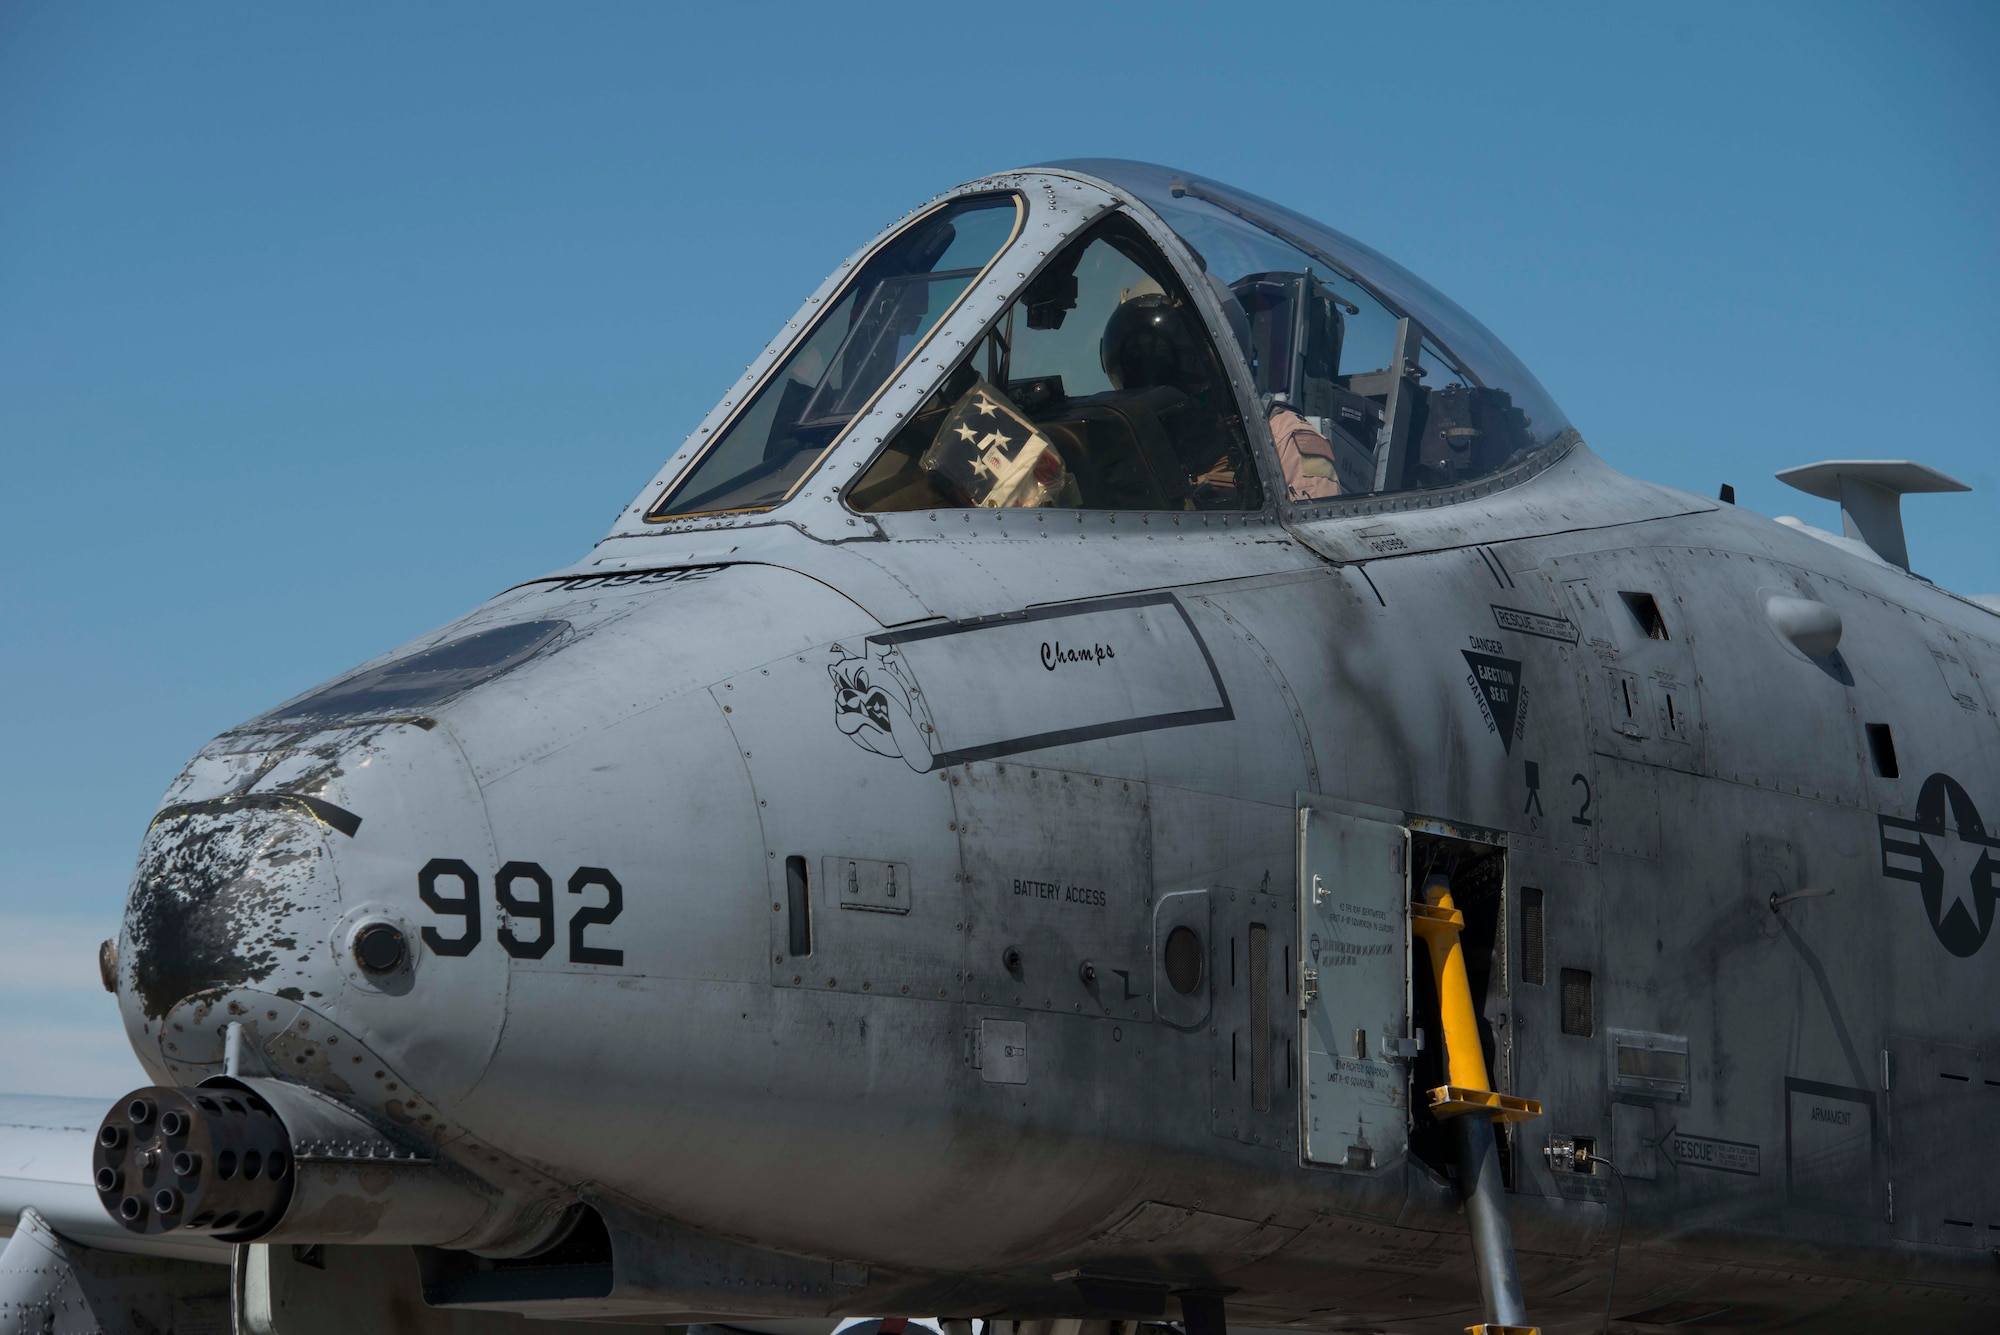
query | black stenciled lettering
[630, 577]
[590, 915]
[1060, 892]
[465, 906]
[1579, 818]
[541, 909]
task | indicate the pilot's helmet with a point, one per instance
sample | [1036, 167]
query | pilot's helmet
[1147, 342]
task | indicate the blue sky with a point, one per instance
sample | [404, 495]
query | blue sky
[319, 325]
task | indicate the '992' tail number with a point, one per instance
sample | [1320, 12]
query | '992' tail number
[526, 895]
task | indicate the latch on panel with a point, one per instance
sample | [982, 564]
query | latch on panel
[1397, 1048]
[1308, 984]
[872, 887]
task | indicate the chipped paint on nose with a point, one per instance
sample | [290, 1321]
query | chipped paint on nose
[229, 896]
[274, 852]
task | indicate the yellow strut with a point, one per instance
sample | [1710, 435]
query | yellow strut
[1467, 1088]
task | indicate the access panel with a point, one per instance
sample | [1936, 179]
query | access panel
[1059, 891]
[1944, 1101]
[1354, 994]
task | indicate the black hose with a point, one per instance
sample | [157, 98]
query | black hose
[1618, 1241]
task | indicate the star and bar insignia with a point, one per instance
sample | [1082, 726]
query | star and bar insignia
[1954, 862]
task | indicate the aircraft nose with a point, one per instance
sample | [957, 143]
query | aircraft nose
[300, 903]
[232, 896]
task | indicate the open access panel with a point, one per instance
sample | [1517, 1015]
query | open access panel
[1354, 995]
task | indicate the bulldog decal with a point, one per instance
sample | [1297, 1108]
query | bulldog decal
[877, 704]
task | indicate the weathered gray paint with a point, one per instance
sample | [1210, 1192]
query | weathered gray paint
[836, 1111]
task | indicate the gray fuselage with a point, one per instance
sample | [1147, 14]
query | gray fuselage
[807, 885]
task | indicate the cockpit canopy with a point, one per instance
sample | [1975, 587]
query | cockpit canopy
[1115, 379]
[832, 372]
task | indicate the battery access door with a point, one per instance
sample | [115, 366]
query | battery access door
[1354, 996]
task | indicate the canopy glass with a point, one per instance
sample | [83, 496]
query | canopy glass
[1403, 383]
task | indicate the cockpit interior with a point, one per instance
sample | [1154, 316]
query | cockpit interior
[1101, 377]
[1116, 378]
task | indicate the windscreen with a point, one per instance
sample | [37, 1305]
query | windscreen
[1372, 381]
[429, 677]
[865, 333]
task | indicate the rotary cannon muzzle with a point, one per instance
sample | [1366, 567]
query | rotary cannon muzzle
[258, 1159]
[212, 1162]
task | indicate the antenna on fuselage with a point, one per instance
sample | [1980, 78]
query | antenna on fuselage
[1870, 492]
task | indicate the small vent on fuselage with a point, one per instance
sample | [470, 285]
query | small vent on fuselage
[1183, 960]
[1578, 1006]
[1646, 611]
[1534, 964]
[1882, 745]
[798, 891]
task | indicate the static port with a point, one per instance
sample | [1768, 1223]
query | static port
[140, 1111]
[187, 1164]
[109, 1180]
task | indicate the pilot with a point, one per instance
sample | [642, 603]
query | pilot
[1305, 456]
[1148, 344]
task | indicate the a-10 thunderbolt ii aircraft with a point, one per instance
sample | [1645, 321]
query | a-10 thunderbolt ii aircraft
[1134, 768]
